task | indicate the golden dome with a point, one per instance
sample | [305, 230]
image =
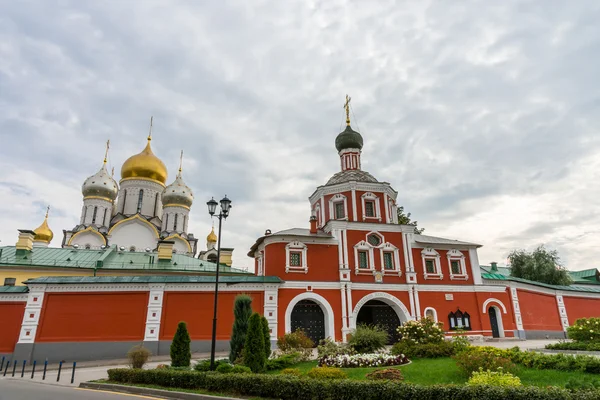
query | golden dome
[43, 233]
[212, 237]
[145, 165]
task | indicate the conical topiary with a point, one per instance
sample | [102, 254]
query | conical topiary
[242, 310]
[180, 347]
[254, 348]
[267, 336]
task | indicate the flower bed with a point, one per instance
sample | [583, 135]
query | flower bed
[363, 360]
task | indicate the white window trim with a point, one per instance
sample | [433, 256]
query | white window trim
[338, 198]
[455, 255]
[381, 237]
[435, 316]
[390, 248]
[296, 246]
[371, 197]
[430, 254]
[319, 215]
[363, 246]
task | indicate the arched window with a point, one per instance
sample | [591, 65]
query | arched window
[94, 216]
[140, 199]
[132, 248]
[212, 258]
[459, 320]
[104, 218]
[167, 222]
[84, 213]
[175, 223]
[156, 205]
[88, 246]
[124, 200]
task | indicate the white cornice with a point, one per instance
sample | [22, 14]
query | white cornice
[380, 187]
[6, 297]
[366, 226]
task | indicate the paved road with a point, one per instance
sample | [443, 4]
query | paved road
[23, 390]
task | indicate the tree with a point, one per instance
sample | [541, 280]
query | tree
[404, 219]
[242, 310]
[541, 265]
[267, 336]
[180, 347]
[254, 348]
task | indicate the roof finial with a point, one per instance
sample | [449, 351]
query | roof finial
[180, 161]
[47, 211]
[150, 133]
[106, 152]
[347, 107]
[112, 174]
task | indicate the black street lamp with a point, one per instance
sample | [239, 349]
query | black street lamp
[223, 214]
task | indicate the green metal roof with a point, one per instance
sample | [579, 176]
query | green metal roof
[500, 270]
[14, 289]
[585, 273]
[572, 288]
[228, 279]
[108, 259]
[584, 277]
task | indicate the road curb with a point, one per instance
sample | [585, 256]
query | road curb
[166, 394]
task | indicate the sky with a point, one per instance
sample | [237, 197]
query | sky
[482, 115]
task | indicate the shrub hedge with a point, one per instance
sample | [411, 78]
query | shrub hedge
[585, 329]
[583, 346]
[291, 388]
[426, 350]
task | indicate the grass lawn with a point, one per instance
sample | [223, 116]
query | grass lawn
[425, 371]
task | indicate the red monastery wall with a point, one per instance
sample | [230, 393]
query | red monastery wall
[580, 307]
[322, 262]
[80, 317]
[196, 309]
[12, 316]
[539, 311]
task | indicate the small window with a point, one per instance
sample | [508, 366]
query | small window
[175, 223]
[339, 211]
[455, 267]
[212, 258]
[388, 260]
[10, 281]
[132, 248]
[94, 216]
[430, 266]
[363, 258]
[374, 240]
[88, 246]
[370, 208]
[295, 259]
[429, 315]
[140, 200]
[459, 320]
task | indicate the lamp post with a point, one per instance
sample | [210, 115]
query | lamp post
[212, 208]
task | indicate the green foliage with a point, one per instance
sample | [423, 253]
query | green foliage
[580, 346]
[291, 388]
[368, 339]
[460, 341]
[494, 378]
[326, 373]
[284, 361]
[388, 374]
[541, 265]
[296, 342]
[224, 368]
[242, 310]
[582, 384]
[404, 219]
[472, 361]
[266, 336]
[180, 347]
[204, 365]
[424, 330]
[138, 356]
[254, 348]
[585, 330]
[241, 369]
[426, 350]
[292, 372]
[329, 348]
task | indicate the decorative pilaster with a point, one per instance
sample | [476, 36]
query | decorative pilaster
[562, 311]
[345, 329]
[270, 310]
[517, 310]
[155, 303]
[31, 318]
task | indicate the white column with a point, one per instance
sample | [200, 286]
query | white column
[411, 299]
[344, 312]
[517, 309]
[417, 302]
[270, 310]
[562, 311]
[350, 308]
[475, 270]
[387, 208]
[155, 302]
[354, 213]
[31, 318]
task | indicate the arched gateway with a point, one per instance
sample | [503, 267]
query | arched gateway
[381, 309]
[311, 313]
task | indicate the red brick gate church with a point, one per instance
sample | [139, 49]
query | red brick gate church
[353, 264]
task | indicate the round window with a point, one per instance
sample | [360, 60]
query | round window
[374, 240]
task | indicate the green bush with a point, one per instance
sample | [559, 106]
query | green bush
[138, 356]
[291, 388]
[426, 350]
[388, 374]
[204, 365]
[587, 383]
[242, 310]
[292, 372]
[493, 378]
[283, 361]
[326, 373]
[266, 336]
[296, 342]
[581, 346]
[460, 341]
[180, 347]
[224, 368]
[368, 339]
[240, 369]
[424, 330]
[472, 361]
[585, 330]
[254, 348]
[329, 348]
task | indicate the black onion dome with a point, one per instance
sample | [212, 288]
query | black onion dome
[348, 139]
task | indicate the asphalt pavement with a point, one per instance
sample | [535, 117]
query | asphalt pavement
[28, 390]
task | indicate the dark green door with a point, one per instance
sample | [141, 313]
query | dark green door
[494, 322]
[308, 316]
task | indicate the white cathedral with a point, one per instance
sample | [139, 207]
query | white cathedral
[135, 214]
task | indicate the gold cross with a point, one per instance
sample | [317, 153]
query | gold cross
[47, 211]
[347, 107]
[150, 134]
[180, 161]
[106, 153]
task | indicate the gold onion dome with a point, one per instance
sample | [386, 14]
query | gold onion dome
[178, 193]
[145, 165]
[43, 233]
[212, 237]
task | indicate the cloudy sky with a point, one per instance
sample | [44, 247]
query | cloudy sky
[483, 115]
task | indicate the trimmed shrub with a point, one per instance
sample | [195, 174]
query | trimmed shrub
[291, 388]
[424, 330]
[242, 310]
[329, 348]
[388, 374]
[283, 361]
[426, 350]
[585, 330]
[326, 373]
[292, 372]
[574, 384]
[224, 368]
[296, 342]
[368, 339]
[472, 361]
[493, 378]
[204, 365]
[180, 347]
[580, 346]
[254, 348]
[267, 336]
[363, 360]
[241, 369]
[138, 356]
